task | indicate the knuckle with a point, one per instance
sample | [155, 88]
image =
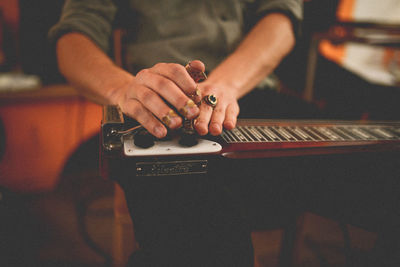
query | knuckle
[207, 88]
[207, 108]
[142, 72]
[182, 100]
[146, 95]
[162, 83]
[192, 86]
[159, 65]
[134, 111]
[236, 110]
[176, 67]
[145, 120]
[219, 110]
[201, 120]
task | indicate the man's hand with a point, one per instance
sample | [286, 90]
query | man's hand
[223, 115]
[146, 96]
[255, 58]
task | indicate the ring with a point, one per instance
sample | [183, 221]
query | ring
[196, 93]
[197, 75]
[211, 100]
[168, 118]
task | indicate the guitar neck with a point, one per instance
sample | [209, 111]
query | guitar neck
[263, 138]
[249, 140]
[271, 138]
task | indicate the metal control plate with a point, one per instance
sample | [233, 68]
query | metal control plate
[170, 148]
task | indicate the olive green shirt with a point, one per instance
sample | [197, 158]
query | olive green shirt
[170, 30]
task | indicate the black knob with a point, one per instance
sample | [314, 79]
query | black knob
[143, 139]
[188, 139]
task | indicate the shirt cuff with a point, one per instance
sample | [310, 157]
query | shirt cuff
[293, 9]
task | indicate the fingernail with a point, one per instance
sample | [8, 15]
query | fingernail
[215, 129]
[201, 129]
[216, 126]
[229, 125]
[190, 110]
[160, 131]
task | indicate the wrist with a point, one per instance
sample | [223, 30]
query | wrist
[224, 87]
[116, 86]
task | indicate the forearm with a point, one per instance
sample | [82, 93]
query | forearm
[257, 56]
[88, 68]
[144, 97]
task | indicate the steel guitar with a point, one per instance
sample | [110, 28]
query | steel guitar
[250, 139]
[324, 165]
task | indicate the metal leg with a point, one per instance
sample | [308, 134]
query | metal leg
[288, 243]
[311, 69]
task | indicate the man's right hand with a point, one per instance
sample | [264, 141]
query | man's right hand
[153, 95]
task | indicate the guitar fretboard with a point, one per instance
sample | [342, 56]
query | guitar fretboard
[310, 133]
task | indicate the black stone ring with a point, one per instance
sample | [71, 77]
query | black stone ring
[210, 100]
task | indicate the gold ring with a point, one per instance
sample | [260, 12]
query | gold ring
[196, 93]
[168, 118]
[210, 100]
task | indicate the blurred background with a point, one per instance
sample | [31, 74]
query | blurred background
[55, 210]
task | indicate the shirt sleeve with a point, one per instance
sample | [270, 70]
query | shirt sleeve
[291, 8]
[93, 18]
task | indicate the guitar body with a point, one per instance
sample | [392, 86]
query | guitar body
[251, 139]
[346, 170]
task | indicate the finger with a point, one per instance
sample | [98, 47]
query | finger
[197, 65]
[136, 110]
[178, 74]
[231, 114]
[217, 118]
[169, 91]
[152, 102]
[202, 121]
[196, 70]
[196, 97]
